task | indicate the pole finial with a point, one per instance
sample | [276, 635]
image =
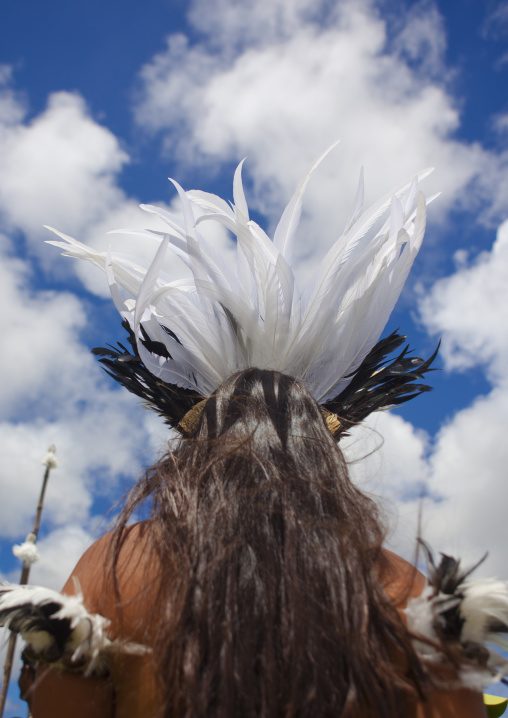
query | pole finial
[50, 460]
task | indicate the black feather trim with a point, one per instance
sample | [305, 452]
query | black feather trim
[168, 400]
[379, 383]
[26, 618]
[446, 579]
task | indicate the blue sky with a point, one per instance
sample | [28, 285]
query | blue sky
[101, 102]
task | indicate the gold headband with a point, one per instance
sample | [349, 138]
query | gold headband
[190, 421]
[332, 421]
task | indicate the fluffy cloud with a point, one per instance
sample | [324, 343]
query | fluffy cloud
[41, 355]
[462, 470]
[388, 458]
[53, 392]
[470, 456]
[62, 168]
[470, 309]
[422, 38]
[287, 83]
[228, 25]
[59, 168]
[59, 553]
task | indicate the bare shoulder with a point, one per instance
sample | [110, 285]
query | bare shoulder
[127, 602]
[134, 543]
[401, 580]
[124, 592]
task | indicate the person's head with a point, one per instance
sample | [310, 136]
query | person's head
[270, 557]
[260, 402]
[261, 433]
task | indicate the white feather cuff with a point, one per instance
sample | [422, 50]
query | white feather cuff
[473, 614]
[58, 630]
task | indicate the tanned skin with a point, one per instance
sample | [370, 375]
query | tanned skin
[131, 691]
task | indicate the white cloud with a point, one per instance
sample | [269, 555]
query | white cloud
[469, 461]
[463, 468]
[280, 97]
[228, 25]
[59, 168]
[62, 168]
[22, 447]
[59, 553]
[12, 104]
[99, 439]
[383, 440]
[388, 458]
[470, 310]
[41, 354]
[422, 37]
[53, 392]
[469, 473]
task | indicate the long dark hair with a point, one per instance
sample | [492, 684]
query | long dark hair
[270, 603]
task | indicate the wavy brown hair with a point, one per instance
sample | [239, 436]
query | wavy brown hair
[270, 603]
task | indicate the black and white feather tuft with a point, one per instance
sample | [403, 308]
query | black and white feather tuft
[189, 335]
[57, 628]
[472, 614]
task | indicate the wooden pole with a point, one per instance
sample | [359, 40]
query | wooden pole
[50, 462]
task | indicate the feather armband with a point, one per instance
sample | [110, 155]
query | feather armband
[457, 612]
[58, 629]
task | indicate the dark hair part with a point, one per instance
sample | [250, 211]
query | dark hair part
[271, 603]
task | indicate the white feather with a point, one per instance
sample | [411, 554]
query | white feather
[230, 317]
[483, 608]
[23, 609]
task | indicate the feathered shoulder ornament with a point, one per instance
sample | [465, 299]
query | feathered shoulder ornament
[467, 614]
[59, 631]
[186, 337]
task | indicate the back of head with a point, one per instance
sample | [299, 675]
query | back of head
[270, 604]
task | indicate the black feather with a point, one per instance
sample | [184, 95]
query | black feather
[446, 580]
[168, 400]
[379, 383]
[29, 617]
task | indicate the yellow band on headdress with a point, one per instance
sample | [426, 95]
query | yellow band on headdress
[332, 421]
[190, 421]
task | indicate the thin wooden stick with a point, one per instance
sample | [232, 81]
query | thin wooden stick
[50, 462]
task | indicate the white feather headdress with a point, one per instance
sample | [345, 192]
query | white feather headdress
[190, 335]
